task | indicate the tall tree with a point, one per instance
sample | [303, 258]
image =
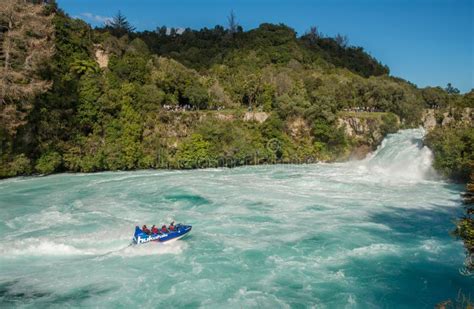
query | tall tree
[341, 40]
[314, 34]
[119, 25]
[451, 90]
[233, 26]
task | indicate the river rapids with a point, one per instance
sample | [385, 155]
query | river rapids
[362, 234]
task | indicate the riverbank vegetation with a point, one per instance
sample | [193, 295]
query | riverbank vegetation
[452, 142]
[465, 226]
[453, 148]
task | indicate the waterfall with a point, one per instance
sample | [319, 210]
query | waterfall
[402, 156]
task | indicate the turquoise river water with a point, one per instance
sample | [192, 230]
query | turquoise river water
[361, 234]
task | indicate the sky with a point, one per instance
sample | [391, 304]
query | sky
[428, 42]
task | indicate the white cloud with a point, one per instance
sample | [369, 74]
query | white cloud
[95, 18]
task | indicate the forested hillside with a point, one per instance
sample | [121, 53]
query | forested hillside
[75, 98]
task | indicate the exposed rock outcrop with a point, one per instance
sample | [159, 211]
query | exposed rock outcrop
[256, 116]
[225, 117]
[367, 131]
[101, 57]
[432, 118]
[429, 119]
[298, 128]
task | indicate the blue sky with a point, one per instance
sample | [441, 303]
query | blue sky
[428, 42]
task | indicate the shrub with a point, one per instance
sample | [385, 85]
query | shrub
[390, 124]
[194, 152]
[20, 165]
[48, 163]
[453, 150]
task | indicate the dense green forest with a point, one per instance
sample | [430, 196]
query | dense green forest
[75, 98]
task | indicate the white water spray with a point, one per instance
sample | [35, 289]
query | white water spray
[402, 157]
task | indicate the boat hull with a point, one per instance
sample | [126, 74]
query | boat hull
[181, 231]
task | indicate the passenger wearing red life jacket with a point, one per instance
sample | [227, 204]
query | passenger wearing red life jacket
[172, 227]
[164, 229]
[145, 229]
[154, 230]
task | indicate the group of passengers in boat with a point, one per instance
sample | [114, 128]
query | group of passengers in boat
[155, 230]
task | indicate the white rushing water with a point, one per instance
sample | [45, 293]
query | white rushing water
[363, 234]
[402, 157]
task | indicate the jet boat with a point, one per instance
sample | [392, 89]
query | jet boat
[179, 232]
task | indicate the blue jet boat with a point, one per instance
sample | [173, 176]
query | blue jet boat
[180, 231]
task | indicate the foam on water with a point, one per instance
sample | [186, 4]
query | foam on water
[37, 247]
[152, 249]
[402, 157]
[361, 234]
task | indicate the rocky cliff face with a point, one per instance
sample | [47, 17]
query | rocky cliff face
[256, 116]
[101, 56]
[433, 118]
[366, 130]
